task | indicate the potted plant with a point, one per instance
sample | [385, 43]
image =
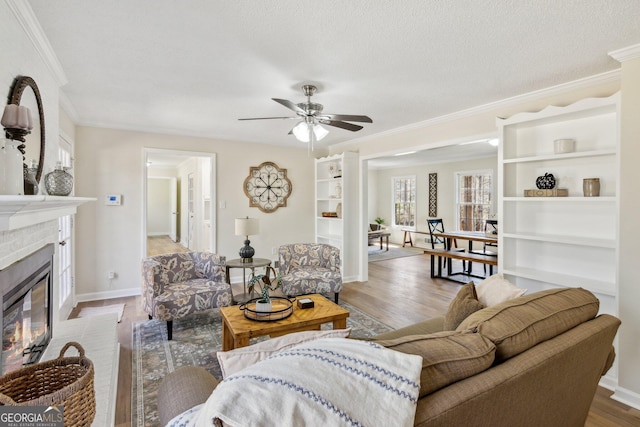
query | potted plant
[379, 220]
[264, 284]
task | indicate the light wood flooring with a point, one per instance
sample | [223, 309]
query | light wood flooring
[399, 292]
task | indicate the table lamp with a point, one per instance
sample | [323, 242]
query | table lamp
[246, 227]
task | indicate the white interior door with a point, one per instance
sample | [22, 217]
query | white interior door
[173, 188]
[65, 241]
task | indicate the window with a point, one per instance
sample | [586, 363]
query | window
[474, 191]
[404, 201]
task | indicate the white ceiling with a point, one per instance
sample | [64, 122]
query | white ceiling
[194, 67]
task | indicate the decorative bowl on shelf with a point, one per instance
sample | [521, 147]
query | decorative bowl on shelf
[565, 145]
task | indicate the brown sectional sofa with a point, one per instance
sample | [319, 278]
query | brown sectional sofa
[532, 361]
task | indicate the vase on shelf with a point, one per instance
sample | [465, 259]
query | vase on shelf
[591, 187]
[59, 182]
[11, 169]
[338, 191]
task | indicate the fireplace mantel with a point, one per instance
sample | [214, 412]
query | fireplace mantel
[22, 211]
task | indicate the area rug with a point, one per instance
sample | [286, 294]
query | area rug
[196, 339]
[97, 311]
[375, 254]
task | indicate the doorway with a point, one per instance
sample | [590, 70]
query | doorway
[179, 208]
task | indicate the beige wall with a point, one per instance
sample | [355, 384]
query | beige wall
[158, 206]
[629, 290]
[110, 238]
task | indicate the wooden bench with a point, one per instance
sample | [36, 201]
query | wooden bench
[406, 238]
[464, 256]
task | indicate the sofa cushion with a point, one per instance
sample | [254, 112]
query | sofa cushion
[447, 356]
[518, 324]
[463, 305]
[496, 289]
[233, 361]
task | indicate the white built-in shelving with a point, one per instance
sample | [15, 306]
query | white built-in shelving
[561, 241]
[336, 182]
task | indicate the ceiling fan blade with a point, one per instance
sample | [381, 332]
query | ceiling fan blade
[269, 118]
[290, 105]
[342, 125]
[347, 117]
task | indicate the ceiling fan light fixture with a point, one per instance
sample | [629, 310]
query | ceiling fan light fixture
[320, 132]
[301, 131]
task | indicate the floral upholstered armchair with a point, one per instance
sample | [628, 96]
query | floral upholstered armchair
[308, 268]
[177, 284]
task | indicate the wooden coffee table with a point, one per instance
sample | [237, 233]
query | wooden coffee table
[237, 329]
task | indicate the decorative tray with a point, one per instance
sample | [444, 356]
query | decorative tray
[281, 308]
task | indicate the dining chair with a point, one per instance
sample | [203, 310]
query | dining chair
[490, 227]
[437, 226]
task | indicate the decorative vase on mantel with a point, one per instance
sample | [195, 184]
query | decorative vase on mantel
[11, 169]
[30, 183]
[59, 182]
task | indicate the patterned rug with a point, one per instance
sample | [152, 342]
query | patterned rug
[196, 339]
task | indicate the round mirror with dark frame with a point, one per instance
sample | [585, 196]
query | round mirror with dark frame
[19, 95]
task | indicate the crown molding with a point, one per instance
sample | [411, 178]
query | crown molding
[606, 77]
[27, 19]
[626, 53]
[68, 107]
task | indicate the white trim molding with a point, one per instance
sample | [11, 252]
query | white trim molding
[602, 78]
[27, 19]
[627, 397]
[626, 53]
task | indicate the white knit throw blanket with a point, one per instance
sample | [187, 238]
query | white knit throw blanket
[326, 382]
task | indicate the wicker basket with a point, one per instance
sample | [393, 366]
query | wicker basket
[66, 381]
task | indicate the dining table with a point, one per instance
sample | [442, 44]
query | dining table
[450, 239]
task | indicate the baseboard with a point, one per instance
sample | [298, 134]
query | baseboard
[158, 233]
[627, 397]
[96, 296]
[608, 382]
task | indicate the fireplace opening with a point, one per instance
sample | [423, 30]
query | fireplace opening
[26, 309]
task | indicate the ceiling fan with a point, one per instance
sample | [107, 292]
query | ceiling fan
[309, 129]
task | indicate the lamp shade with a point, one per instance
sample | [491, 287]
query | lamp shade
[247, 226]
[301, 131]
[320, 132]
[17, 117]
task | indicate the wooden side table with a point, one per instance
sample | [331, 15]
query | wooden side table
[237, 263]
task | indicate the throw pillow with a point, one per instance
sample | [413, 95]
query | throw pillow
[464, 304]
[515, 326]
[497, 289]
[447, 356]
[233, 361]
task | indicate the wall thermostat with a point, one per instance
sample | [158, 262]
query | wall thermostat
[113, 200]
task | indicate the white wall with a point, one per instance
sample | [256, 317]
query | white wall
[20, 57]
[380, 184]
[110, 238]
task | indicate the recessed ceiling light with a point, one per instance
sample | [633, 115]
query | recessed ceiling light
[405, 153]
